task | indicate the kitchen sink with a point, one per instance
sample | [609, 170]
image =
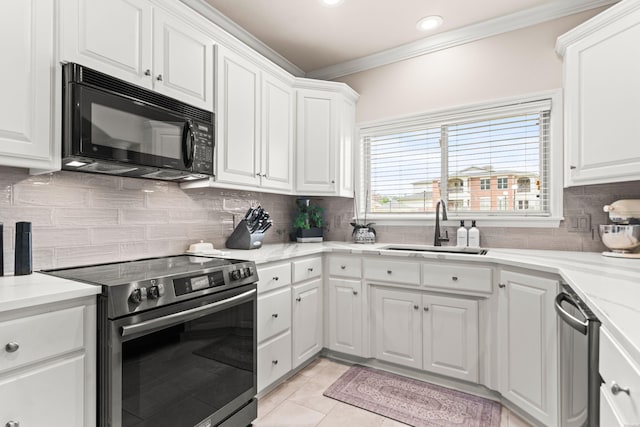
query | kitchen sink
[439, 249]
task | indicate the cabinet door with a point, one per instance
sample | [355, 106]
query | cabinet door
[307, 321]
[316, 142]
[238, 120]
[27, 84]
[182, 61]
[345, 316]
[602, 86]
[50, 395]
[277, 134]
[398, 328]
[450, 336]
[528, 344]
[110, 36]
[347, 136]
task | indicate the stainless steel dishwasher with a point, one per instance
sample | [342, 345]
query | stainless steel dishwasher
[579, 361]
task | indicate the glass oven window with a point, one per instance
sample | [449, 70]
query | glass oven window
[180, 375]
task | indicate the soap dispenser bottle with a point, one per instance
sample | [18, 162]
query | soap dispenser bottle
[462, 236]
[474, 236]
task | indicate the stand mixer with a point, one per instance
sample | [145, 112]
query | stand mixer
[622, 237]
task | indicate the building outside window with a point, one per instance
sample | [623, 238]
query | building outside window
[524, 185]
[503, 183]
[485, 183]
[485, 203]
[501, 203]
[523, 204]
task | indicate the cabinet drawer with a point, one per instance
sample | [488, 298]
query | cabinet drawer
[274, 360]
[462, 278]
[41, 336]
[50, 395]
[616, 367]
[345, 266]
[274, 276]
[392, 271]
[274, 313]
[307, 269]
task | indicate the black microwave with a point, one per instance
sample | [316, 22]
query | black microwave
[113, 127]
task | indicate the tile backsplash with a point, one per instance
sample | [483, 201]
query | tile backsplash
[81, 218]
[578, 201]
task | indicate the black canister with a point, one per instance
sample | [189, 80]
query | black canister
[1, 249]
[23, 261]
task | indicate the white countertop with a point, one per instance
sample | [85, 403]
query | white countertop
[18, 292]
[609, 286]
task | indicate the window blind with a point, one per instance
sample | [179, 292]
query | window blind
[490, 162]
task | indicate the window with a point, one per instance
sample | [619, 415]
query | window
[409, 164]
[523, 204]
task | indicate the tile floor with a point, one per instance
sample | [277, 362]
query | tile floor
[299, 402]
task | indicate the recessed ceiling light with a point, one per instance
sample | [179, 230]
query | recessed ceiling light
[429, 23]
[331, 2]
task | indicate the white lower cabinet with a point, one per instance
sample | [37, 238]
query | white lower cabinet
[307, 321]
[274, 360]
[345, 316]
[528, 349]
[48, 365]
[431, 332]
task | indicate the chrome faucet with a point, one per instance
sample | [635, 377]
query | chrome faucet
[437, 238]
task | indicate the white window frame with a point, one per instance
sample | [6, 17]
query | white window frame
[495, 219]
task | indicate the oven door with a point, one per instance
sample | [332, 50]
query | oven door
[108, 126]
[185, 365]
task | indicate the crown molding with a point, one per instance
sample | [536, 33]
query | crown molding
[596, 23]
[214, 15]
[470, 33]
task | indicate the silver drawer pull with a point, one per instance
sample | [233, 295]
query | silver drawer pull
[343, 267]
[426, 309]
[159, 78]
[454, 278]
[501, 285]
[616, 389]
[389, 271]
[310, 269]
[355, 292]
[276, 278]
[274, 315]
[275, 362]
[12, 424]
[12, 347]
[147, 72]
[416, 307]
[299, 299]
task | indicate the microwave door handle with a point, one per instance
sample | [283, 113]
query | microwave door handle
[188, 143]
[183, 316]
[576, 324]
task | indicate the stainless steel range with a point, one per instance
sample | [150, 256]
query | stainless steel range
[176, 341]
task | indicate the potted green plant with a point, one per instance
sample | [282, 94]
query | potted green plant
[308, 221]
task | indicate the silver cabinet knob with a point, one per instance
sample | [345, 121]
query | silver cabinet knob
[616, 389]
[333, 181]
[416, 307]
[159, 78]
[274, 315]
[572, 167]
[276, 278]
[275, 362]
[310, 269]
[426, 309]
[343, 267]
[299, 299]
[147, 72]
[12, 347]
[454, 278]
[389, 271]
[355, 292]
[501, 285]
[12, 424]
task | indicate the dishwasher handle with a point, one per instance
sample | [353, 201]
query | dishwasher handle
[577, 324]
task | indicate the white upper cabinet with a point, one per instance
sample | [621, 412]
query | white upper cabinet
[27, 85]
[255, 125]
[141, 44]
[325, 140]
[602, 88]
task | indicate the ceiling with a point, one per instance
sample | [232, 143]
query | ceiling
[312, 36]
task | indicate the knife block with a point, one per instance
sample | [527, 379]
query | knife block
[242, 238]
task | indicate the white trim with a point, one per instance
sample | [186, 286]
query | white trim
[491, 220]
[470, 33]
[215, 16]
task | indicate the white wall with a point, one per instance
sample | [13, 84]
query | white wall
[510, 64]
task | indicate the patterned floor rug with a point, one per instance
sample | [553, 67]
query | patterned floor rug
[412, 402]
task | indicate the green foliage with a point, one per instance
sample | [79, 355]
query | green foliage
[310, 217]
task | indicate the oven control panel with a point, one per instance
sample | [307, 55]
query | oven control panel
[186, 285]
[241, 273]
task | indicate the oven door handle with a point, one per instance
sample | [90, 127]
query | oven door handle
[577, 324]
[183, 316]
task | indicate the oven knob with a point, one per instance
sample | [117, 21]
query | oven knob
[236, 275]
[136, 296]
[153, 292]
